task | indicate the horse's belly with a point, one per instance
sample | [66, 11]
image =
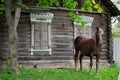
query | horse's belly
[86, 50]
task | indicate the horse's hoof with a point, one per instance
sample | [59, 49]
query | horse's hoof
[76, 69]
[90, 73]
[97, 72]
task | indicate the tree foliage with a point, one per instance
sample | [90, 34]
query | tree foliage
[88, 5]
[116, 31]
[47, 3]
[117, 4]
[2, 6]
[116, 28]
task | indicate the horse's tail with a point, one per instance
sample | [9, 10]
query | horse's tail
[77, 41]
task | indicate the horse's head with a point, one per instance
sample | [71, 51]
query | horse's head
[100, 31]
[99, 36]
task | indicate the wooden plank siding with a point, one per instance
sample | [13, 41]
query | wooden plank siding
[62, 34]
[24, 35]
[62, 37]
[4, 44]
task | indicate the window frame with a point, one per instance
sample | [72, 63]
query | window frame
[48, 22]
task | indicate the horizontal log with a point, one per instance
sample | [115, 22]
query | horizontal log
[63, 27]
[63, 45]
[62, 33]
[62, 49]
[58, 13]
[3, 43]
[24, 38]
[58, 53]
[22, 45]
[28, 58]
[50, 62]
[63, 36]
[23, 49]
[24, 53]
[61, 30]
[61, 18]
[22, 58]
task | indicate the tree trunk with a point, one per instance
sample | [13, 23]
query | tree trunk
[12, 24]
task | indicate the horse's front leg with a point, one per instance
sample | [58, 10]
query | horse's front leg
[91, 63]
[76, 59]
[80, 59]
[97, 62]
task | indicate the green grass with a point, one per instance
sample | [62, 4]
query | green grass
[109, 73]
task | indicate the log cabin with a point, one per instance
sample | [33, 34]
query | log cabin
[46, 35]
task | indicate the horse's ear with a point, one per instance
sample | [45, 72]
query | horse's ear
[101, 30]
[97, 28]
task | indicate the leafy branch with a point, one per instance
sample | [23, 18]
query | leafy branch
[88, 5]
[47, 3]
[116, 31]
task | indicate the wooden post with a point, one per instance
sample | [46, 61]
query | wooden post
[109, 36]
[32, 38]
[49, 38]
[75, 30]
[89, 29]
[75, 34]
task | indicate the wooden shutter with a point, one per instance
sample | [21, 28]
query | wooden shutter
[41, 36]
[41, 32]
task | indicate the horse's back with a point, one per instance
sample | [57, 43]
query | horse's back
[77, 41]
[84, 44]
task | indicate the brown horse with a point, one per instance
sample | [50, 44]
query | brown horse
[88, 47]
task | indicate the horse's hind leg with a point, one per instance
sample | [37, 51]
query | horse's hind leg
[76, 58]
[80, 58]
[91, 63]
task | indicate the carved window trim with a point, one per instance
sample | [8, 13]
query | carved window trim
[42, 19]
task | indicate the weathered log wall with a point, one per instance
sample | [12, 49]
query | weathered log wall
[24, 35]
[62, 35]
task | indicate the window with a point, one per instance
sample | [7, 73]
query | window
[85, 31]
[78, 30]
[41, 33]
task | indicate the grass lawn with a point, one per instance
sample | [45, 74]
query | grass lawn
[109, 73]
